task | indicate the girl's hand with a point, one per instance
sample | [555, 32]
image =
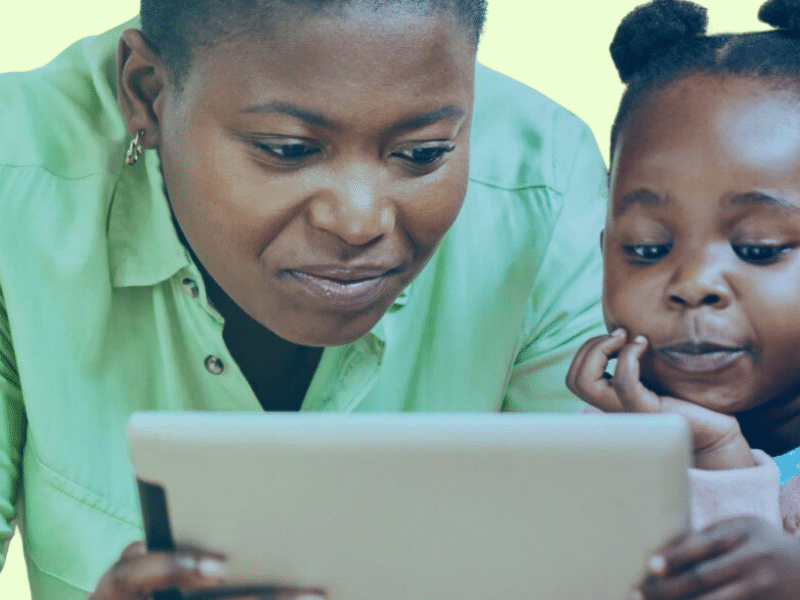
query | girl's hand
[717, 439]
[138, 573]
[744, 558]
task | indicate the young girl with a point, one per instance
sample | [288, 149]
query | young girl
[702, 284]
[270, 205]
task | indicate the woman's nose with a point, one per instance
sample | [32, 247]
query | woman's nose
[353, 208]
[699, 281]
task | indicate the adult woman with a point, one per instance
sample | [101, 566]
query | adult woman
[295, 168]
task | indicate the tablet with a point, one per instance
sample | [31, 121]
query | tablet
[417, 506]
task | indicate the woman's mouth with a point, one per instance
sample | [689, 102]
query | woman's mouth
[702, 357]
[343, 288]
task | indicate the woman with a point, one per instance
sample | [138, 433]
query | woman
[316, 212]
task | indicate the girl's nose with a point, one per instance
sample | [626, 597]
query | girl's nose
[353, 208]
[697, 282]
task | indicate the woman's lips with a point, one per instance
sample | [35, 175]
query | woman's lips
[700, 357]
[341, 288]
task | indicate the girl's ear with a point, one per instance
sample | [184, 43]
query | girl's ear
[141, 86]
[602, 233]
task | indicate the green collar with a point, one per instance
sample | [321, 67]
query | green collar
[143, 245]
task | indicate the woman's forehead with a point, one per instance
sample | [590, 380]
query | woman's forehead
[327, 60]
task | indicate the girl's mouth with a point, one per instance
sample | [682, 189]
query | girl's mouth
[704, 357]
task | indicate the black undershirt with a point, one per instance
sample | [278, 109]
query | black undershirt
[278, 371]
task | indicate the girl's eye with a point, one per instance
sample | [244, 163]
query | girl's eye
[646, 253]
[424, 155]
[293, 152]
[759, 254]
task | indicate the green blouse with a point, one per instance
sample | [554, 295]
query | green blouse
[102, 312]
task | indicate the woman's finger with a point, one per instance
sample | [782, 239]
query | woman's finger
[136, 548]
[587, 375]
[633, 395]
[139, 575]
[256, 593]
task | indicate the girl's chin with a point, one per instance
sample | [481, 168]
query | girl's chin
[727, 400]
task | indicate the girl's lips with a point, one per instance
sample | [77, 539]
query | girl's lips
[342, 294]
[700, 358]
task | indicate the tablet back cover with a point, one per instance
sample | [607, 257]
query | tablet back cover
[418, 507]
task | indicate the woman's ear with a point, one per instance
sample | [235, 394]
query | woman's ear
[141, 86]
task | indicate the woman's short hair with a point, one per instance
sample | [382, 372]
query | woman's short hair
[174, 28]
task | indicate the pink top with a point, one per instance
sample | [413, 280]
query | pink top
[715, 495]
[757, 491]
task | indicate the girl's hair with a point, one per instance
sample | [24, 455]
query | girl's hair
[175, 27]
[665, 40]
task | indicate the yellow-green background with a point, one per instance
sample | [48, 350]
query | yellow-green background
[560, 48]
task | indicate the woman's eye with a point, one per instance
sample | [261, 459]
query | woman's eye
[758, 253]
[646, 253]
[294, 152]
[424, 155]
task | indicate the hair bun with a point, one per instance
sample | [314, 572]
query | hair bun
[783, 14]
[653, 27]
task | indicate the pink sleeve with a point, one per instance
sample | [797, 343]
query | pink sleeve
[716, 495]
[790, 505]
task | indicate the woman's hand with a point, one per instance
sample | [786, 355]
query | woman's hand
[138, 573]
[717, 439]
[744, 558]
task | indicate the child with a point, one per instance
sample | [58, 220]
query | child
[702, 280]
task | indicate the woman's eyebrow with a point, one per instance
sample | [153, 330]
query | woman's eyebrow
[760, 198]
[637, 197]
[293, 111]
[313, 118]
[421, 120]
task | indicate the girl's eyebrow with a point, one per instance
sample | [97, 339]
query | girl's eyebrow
[638, 197]
[760, 198]
[313, 118]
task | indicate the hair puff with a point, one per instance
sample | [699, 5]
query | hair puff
[652, 28]
[783, 14]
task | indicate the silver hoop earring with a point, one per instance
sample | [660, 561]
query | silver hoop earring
[135, 149]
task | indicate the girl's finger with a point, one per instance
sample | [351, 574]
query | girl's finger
[632, 394]
[696, 546]
[587, 375]
[740, 589]
[577, 367]
[138, 576]
[702, 577]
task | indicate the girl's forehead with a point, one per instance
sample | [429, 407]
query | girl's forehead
[704, 125]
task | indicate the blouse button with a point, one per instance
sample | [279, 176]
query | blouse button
[214, 365]
[191, 287]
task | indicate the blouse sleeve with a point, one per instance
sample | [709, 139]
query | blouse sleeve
[564, 308]
[12, 432]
